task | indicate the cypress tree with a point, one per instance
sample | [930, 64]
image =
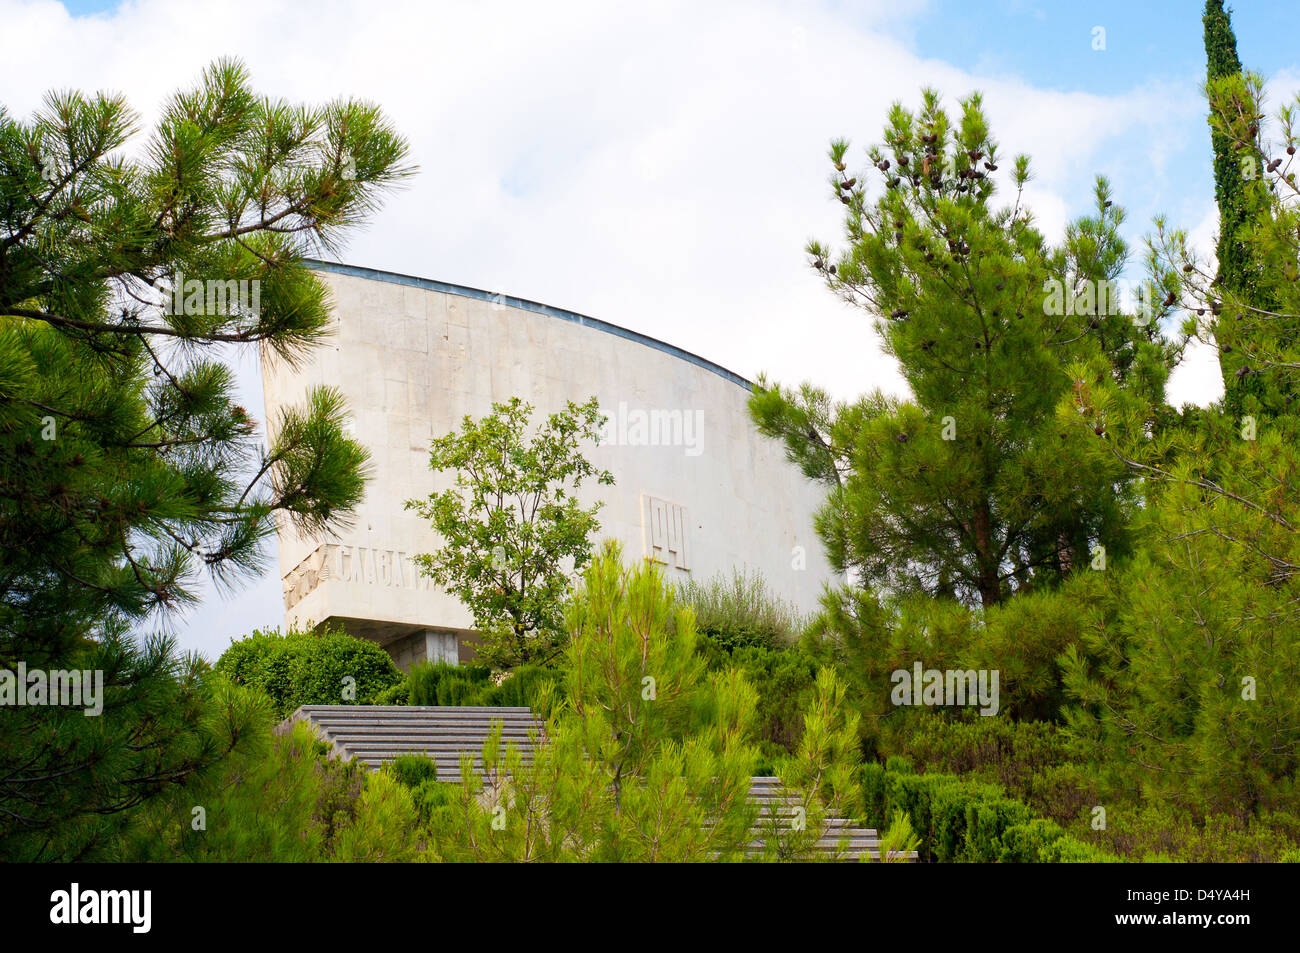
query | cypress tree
[1238, 192]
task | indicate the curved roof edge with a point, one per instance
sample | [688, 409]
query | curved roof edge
[429, 284]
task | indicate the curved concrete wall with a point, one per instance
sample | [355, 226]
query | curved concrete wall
[697, 488]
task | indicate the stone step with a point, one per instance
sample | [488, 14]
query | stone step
[376, 734]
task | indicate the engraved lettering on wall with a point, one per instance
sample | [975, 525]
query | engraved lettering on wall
[345, 562]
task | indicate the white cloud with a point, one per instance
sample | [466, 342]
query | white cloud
[657, 166]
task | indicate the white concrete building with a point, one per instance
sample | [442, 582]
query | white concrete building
[697, 488]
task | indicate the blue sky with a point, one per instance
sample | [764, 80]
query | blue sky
[660, 165]
[1041, 42]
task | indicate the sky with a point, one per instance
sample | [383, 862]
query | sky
[661, 165]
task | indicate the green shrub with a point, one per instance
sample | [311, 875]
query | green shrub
[784, 679]
[412, 770]
[437, 803]
[987, 821]
[738, 614]
[958, 819]
[1031, 760]
[1166, 832]
[525, 688]
[875, 793]
[309, 668]
[1070, 850]
[399, 694]
[1025, 843]
[437, 683]
[954, 818]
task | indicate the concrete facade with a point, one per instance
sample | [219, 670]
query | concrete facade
[697, 488]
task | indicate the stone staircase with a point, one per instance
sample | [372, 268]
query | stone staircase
[377, 734]
[839, 835]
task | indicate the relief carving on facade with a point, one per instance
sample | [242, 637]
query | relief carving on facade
[663, 532]
[345, 562]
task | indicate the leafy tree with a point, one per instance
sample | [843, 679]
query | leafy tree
[125, 463]
[511, 522]
[975, 488]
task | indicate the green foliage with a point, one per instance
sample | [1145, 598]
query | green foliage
[1186, 695]
[1033, 761]
[648, 759]
[528, 686]
[739, 624]
[164, 718]
[126, 464]
[412, 770]
[738, 614]
[1024, 638]
[1239, 192]
[309, 668]
[399, 694]
[961, 820]
[784, 679]
[381, 829]
[1181, 692]
[1158, 831]
[821, 776]
[977, 487]
[282, 800]
[900, 840]
[511, 522]
[437, 683]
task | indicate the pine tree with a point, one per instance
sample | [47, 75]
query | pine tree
[1183, 693]
[979, 485]
[646, 758]
[126, 464]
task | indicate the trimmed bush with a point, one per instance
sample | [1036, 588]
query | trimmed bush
[309, 668]
[525, 687]
[968, 821]
[438, 683]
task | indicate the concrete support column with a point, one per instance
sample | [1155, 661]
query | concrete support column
[442, 647]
